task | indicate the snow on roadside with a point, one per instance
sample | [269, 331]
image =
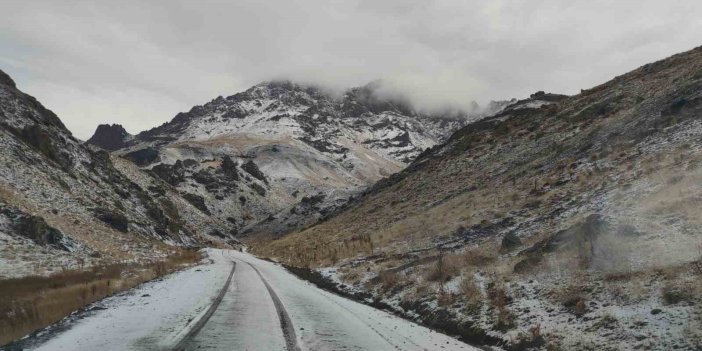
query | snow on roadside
[326, 321]
[151, 316]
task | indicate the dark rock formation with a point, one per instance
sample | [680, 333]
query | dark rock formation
[114, 219]
[109, 137]
[197, 201]
[252, 169]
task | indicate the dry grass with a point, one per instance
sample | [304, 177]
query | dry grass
[388, 280]
[680, 291]
[351, 276]
[573, 299]
[481, 256]
[445, 268]
[470, 292]
[497, 294]
[445, 298]
[31, 303]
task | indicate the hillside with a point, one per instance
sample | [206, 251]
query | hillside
[280, 156]
[570, 225]
[65, 206]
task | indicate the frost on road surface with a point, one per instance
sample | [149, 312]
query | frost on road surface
[253, 314]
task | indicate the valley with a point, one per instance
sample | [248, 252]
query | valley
[355, 221]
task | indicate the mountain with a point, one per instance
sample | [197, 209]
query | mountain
[573, 224]
[280, 156]
[65, 206]
[110, 137]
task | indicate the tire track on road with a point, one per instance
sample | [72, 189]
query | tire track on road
[285, 321]
[210, 311]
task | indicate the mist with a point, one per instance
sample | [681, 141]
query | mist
[138, 64]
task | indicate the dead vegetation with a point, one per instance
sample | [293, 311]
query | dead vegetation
[531, 176]
[470, 292]
[34, 302]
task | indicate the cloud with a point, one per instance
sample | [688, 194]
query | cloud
[138, 63]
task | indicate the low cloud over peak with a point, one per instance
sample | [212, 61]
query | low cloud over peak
[138, 64]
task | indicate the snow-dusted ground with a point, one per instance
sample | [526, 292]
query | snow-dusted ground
[325, 321]
[158, 315]
[151, 316]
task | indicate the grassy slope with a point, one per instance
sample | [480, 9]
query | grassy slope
[523, 165]
[428, 239]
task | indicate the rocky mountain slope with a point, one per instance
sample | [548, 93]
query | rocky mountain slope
[279, 156]
[63, 205]
[566, 225]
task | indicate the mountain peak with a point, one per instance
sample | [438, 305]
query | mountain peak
[109, 137]
[5, 79]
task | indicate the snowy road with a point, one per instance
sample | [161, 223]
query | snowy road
[263, 307]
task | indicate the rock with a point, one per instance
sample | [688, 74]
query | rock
[229, 168]
[258, 189]
[172, 175]
[36, 229]
[115, 219]
[109, 137]
[42, 141]
[204, 177]
[197, 201]
[510, 241]
[252, 169]
[656, 311]
[5, 79]
[143, 157]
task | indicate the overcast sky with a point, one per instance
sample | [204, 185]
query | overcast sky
[138, 63]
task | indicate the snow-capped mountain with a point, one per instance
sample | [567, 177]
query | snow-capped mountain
[279, 156]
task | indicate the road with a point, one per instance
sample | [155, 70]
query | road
[237, 302]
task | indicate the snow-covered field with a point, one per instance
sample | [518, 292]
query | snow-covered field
[159, 315]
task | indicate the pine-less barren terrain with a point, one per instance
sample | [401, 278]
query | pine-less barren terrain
[568, 224]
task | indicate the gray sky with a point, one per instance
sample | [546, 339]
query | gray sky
[138, 63]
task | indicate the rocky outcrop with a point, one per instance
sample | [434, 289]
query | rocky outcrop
[109, 137]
